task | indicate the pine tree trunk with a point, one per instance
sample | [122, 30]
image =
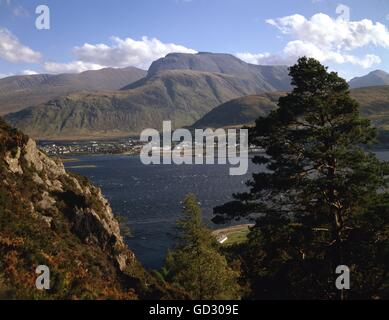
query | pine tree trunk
[337, 224]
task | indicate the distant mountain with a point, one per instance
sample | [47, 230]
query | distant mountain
[375, 78]
[19, 92]
[182, 92]
[180, 95]
[374, 103]
[267, 78]
[239, 112]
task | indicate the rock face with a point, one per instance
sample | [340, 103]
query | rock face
[95, 227]
[51, 217]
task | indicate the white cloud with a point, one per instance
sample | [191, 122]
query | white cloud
[120, 53]
[71, 67]
[265, 58]
[324, 31]
[5, 75]
[326, 39]
[13, 51]
[28, 72]
[298, 48]
[127, 52]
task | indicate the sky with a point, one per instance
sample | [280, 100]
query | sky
[349, 36]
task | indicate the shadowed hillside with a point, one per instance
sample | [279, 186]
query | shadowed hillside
[241, 111]
[374, 102]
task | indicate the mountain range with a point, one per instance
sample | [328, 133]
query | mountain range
[197, 90]
[19, 92]
[176, 87]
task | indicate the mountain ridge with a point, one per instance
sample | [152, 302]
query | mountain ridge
[19, 92]
[269, 78]
[372, 79]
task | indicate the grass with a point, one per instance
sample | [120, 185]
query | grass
[235, 234]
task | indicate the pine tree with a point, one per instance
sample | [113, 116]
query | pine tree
[319, 203]
[196, 265]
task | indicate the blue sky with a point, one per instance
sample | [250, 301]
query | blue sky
[91, 34]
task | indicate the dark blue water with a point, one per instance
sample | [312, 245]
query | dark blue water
[151, 196]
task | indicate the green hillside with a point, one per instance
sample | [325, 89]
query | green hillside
[181, 96]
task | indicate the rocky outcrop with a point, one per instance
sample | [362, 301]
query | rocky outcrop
[95, 226]
[51, 217]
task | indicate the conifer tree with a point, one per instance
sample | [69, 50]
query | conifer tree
[196, 264]
[320, 202]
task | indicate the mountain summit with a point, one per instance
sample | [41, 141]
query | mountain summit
[373, 79]
[268, 78]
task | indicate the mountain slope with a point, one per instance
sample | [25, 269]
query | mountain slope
[51, 217]
[374, 103]
[375, 78]
[266, 78]
[180, 87]
[19, 92]
[241, 111]
[182, 96]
